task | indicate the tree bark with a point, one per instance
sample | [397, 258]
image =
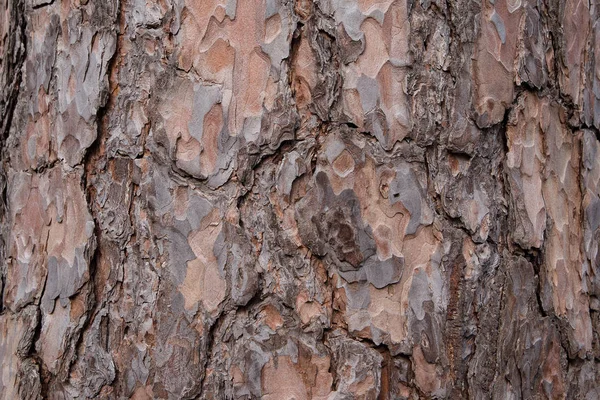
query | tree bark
[278, 199]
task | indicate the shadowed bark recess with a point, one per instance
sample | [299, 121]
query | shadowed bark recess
[300, 199]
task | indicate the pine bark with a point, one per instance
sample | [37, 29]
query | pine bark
[296, 199]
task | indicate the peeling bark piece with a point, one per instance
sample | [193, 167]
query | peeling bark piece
[374, 91]
[590, 164]
[358, 368]
[576, 23]
[562, 287]
[197, 138]
[66, 82]
[532, 58]
[398, 314]
[234, 252]
[468, 187]
[535, 367]
[525, 161]
[591, 91]
[365, 242]
[493, 65]
[52, 240]
[544, 166]
[95, 368]
[20, 375]
[283, 378]
[191, 226]
[239, 49]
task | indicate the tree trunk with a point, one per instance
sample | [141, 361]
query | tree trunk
[278, 199]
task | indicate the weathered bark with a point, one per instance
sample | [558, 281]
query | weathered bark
[328, 199]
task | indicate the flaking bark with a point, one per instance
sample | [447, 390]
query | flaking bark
[328, 199]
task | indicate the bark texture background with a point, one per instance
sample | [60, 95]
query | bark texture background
[278, 199]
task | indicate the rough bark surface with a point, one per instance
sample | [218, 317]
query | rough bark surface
[296, 199]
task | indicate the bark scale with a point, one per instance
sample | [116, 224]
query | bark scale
[328, 199]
